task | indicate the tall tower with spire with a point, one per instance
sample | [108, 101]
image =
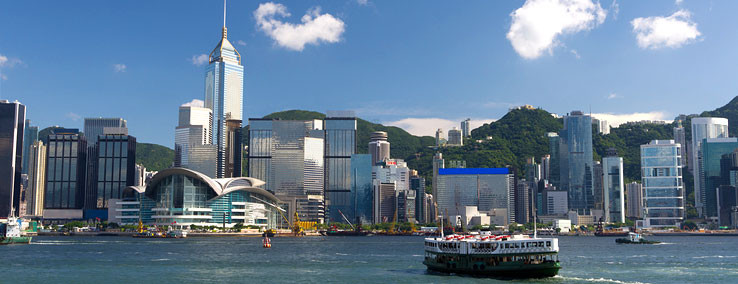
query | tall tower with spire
[224, 96]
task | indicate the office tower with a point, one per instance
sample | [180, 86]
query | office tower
[466, 128]
[523, 189]
[114, 168]
[555, 202]
[663, 191]
[597, 186]
[30, 135]
[224, 96]
[393, 170]
[193, 130]
[12, 119]
[601, 126]
[680, 137]
[440, 139]
[289, 156]
[634, 205]
[417, 184]
[438, 163]
[36, 179]
[702, 128]
[361, 187]
[455, 137]
[576, 164]
[385, 202]
[65, 176]
[340, 144]
[487, 188]
[710, 174]
[727, 200]
[95, 127]
[532, 170]
[554, 149]
[613, 187]
[546, 167]
[379, 148]
[233, 149]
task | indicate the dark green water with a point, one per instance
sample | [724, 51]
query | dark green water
[345, 260]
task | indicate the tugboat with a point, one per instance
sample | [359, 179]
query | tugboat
[505, 256]
[10, 233]
[635, 238]
[602, 232]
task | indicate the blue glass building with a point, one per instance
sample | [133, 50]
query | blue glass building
[711, 153]
[576, 163]
[361, 187]
[340, 144]
[661, 172]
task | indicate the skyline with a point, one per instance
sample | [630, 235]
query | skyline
[476, 67]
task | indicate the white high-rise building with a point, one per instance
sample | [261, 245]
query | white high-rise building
[224, 96]
[613, 189]
[703, 128]
[663, 190]
[466, 127]
[379, 148]
[193, 130]
[440, 138]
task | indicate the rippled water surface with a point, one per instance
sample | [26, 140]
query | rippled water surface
[345, 260]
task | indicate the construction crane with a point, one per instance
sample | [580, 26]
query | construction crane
[295, 225]
[347, 220]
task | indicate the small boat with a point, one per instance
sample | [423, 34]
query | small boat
[635, 238]
[176, 234]
[10, 233]
[269, 233]
[267, 242]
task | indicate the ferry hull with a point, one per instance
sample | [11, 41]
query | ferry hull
[14, 240]
[516, 270]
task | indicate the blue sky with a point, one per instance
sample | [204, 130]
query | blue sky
[417, 64]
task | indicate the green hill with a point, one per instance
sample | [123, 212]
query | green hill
[153, 156]
[729, 111]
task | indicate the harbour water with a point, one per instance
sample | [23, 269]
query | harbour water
[375, 259]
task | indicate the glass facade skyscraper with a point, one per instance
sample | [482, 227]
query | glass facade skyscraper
[361, 187]
[613, 189]
[12, 119]
[94, 127]
[711, 152]
[224, 96]
[30, 135]
[340, 144]
[702, 128]
[65, 171]
[576, 164]
[485, 188]
[114, 160]
[193, 130]
[661, 171]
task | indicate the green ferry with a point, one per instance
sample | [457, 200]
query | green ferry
[10, 233]
[516, 256]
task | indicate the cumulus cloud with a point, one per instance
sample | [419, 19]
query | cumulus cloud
[241, 42]
[9, 61]
[119, 67]
[615, 120]
[194, 103]
[678, 2]
[538, 24]
[660, 32]
[200, 59]
[314, 29]
[73, 116]
[428, 126]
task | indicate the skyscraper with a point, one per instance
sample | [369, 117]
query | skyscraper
[114, 168]
[634, 193]
[30, 135]
[340, 144]
[193, 130]
[417, 184]
[440, 138]
[95, 127]
[379, 148]
[224, 96]
[680, 137]
[36, 179]
[487, 188]
[361, 187]
[65, 176]
[710, 174]
[554, 171]
[613, 188]
[576, 164]
[12, 119]
[455, 138]
[663, 191]
[703, 127]
[466, 127]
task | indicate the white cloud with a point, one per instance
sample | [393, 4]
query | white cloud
[537, 25]
[500, 105]
[678, 2]
[575, 53]
[613, 96]
[428, 126]
[200, 59]
[659, 32]
[73, 116]
[615, 120]
[194, 103]
[119, 67]
[241, 42]
[362, 2]
[315, 27]
[614, 9]
[9, 61]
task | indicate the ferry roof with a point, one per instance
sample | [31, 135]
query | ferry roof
[474, 171]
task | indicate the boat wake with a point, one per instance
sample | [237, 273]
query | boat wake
[568, 279]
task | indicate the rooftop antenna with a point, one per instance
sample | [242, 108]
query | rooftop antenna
[224, 13]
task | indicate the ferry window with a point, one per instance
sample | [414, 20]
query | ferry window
[548, 243]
